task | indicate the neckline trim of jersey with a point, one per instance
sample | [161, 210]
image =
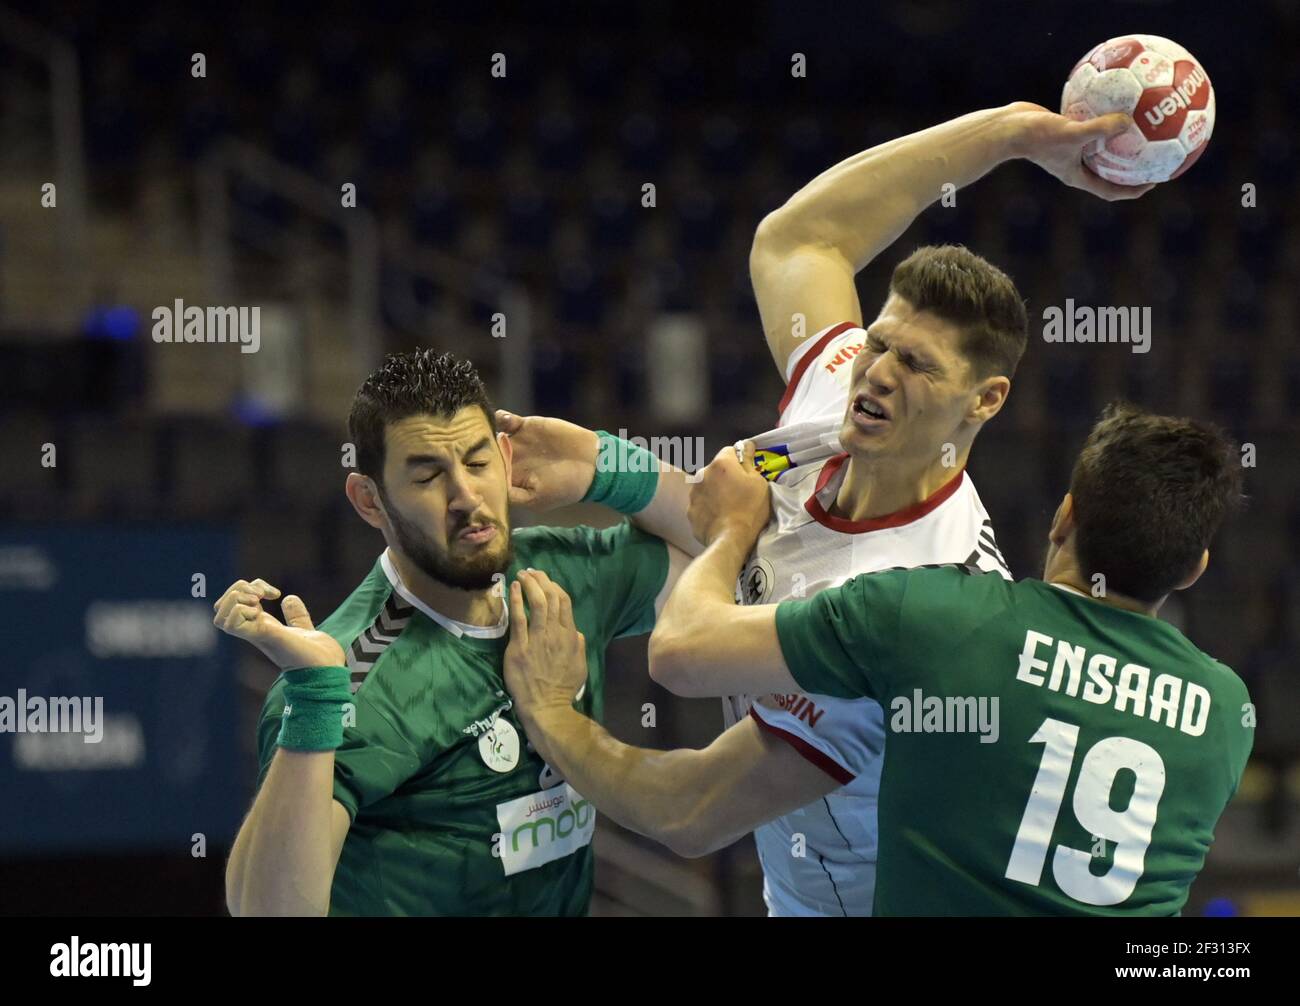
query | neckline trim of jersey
[896, 519]
[450, 624]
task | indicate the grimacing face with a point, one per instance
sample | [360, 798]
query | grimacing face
[909, 389]
[446, 493]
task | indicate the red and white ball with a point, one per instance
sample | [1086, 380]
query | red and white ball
[1165, 90]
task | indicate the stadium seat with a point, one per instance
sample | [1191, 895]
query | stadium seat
[28, 488]
[209, 467]
[113, 465]
[301, 464]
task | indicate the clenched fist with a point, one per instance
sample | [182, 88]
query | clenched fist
[730, 493]
[298, 643]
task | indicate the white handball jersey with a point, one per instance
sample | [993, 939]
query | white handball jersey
[821, 860]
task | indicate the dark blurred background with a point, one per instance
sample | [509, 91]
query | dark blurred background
[484, 200]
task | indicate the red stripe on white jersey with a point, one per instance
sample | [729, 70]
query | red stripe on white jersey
[806, 361]
[819, 758]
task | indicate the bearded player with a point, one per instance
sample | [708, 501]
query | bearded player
[394, 777]
[907, 396]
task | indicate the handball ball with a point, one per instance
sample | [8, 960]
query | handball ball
[1166, 92]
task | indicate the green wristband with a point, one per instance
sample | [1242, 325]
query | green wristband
[315, 701]
[627, 476]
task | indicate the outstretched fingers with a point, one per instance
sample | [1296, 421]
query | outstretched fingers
[518, 616]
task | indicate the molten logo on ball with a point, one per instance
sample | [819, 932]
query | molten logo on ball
[1182, 97]
[1166, 92]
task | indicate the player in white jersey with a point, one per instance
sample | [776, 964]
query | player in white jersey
[909, 392]
[804, 550]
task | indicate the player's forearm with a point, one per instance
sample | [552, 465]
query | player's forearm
[654, 793]
[690, 636]
[282, 862]
[860, 206]
[665, 516]
[625, 474]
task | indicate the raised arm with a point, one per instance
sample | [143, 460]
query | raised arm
[283, 860]
[284, 857]
[693, 801]
[805, 254]
[554, 463]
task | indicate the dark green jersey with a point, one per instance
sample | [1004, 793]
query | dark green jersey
[1046, 753]
[453, 813]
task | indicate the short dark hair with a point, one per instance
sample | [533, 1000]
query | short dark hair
[971, 292]
[422, 382]
[1149, 493]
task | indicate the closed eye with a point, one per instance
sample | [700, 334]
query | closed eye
[918, 366]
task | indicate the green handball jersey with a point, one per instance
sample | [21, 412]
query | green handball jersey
[453, 812]
[1046, 754]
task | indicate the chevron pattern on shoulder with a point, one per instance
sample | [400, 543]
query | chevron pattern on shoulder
[377, 637]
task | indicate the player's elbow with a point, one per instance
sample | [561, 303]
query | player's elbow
[687, 844]
[691, 837]
[234, 886]
[257, 895]
[670, 664]
[772, 239]
[278, 905]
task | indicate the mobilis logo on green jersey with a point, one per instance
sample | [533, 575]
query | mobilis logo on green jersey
[541, 828]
